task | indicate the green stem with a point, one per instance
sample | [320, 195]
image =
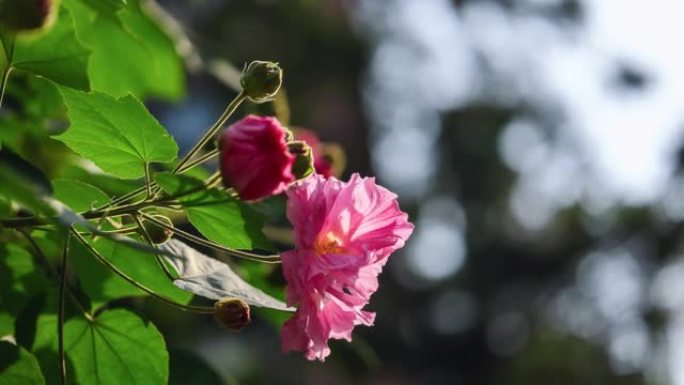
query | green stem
[148, 238]
[124, 198]
[148, 180]
[209, 135]
[198, 161]
[60, 322]
[3, 83]
[9, 56]
[104, 261]
[204, 242]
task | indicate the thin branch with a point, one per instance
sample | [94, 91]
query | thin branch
[9, 56]
[60, 322]
[199, 161]
[3, 83]
[209, 135]
[204, 242]
[148, 238]
[104, 261]
[148, 180]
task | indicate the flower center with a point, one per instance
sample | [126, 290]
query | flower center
[328, 244]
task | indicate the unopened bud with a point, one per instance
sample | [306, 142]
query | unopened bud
[27, 15]
[232, 313]
[303, 165]
[157, 233]
[261, 80]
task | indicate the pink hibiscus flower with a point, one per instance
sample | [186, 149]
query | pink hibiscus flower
[344, 234]
[254, 159]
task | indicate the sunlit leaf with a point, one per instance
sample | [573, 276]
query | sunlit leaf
[56, 54]
[131, 54]
[218, 216]
[117, 347]
[118, 135]
[213, 279]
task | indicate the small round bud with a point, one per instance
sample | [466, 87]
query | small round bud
[27, 15]
[158, 234]
[303, 165]
[232, 314]
[261, 80]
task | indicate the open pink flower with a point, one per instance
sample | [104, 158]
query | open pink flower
[254, 157]
[321, 164]
[344, 233]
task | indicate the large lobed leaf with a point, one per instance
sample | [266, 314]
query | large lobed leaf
[117, 347]
[118, 135]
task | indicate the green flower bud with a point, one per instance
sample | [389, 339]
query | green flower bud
[303, 165]
[27, 15]
[261, 80]
[232, 313]
[157, 233]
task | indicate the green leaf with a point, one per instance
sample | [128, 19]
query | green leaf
[19, 279]
[18, 366]
[118, 135]
[77, 195]
[103, 285]
[189, 368]
[56, 55]
[106, 8]
[218, 216]
[23, 183]
[131, 54]
[113, 186]
[116, 348]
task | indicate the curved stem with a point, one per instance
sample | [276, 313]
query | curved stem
[148, 238]
[3, 83]
[209, 135]
[124, 198]
[198, 161]
[104, 261]
[204, 242]
[60, 321]
[9, 56]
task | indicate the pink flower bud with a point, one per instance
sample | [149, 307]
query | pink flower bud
[254, 157]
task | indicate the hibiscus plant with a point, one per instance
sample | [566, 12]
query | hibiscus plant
[127, 218]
